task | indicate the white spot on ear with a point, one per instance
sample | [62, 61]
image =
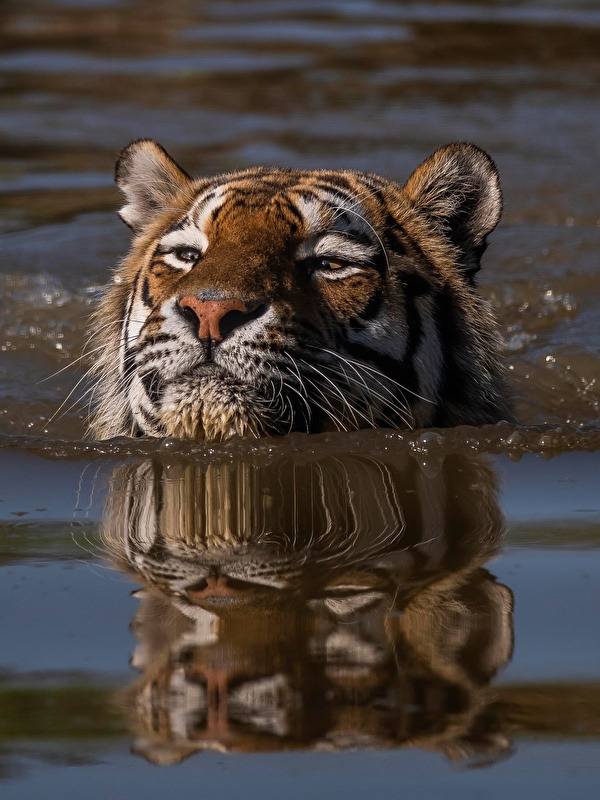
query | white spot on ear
[130, 215]
[149, 179]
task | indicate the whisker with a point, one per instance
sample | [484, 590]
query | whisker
[374, 394]
[351, 408]
[374, 371]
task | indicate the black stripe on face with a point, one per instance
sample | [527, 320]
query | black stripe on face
[214, 214]
[338, 182]
[337, 191]
[158, 339]
[308, 195]
[287, 207]
[236, 200]
[403, 371]
[178, 226]
[153, 356]
[207, 198]
[452, 386]
[373, 307]
[146, 296]
[358, 237]
[159, 268]
[390, 235]
[152, 386]
[151, 420]
[199, 203]
[379, 261]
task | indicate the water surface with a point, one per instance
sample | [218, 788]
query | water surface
[257, 618]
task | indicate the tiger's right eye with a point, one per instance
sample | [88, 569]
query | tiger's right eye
[189, 255]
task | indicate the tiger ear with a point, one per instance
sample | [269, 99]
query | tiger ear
[459, 189]
[149, 179]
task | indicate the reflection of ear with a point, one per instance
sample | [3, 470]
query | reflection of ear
[149, 179]
[463, 632]
[164, 754]
[491, 644]
[458, 188]
[458, 631]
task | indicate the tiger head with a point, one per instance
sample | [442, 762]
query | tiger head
[269, 300]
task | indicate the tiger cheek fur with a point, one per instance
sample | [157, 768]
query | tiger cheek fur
[267, 300]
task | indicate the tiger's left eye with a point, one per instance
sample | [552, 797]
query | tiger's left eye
[188, 254]
[329, 264]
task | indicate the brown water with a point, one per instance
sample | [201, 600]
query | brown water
[337, 614]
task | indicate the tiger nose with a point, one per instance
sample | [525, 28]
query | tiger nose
[216, 319]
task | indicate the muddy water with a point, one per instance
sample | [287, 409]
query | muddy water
[311, 616]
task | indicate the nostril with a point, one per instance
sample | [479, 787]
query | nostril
[230, 321]
[188, 313]
[236, 317]
[255, 309]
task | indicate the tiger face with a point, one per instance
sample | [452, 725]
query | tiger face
[269, 300]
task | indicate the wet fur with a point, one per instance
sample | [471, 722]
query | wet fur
[402, 339]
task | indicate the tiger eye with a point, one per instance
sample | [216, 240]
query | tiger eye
[328, 263]
[188, 254]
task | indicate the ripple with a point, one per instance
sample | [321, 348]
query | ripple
[493, 439]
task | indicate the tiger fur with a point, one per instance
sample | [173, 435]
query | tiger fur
[270, 300]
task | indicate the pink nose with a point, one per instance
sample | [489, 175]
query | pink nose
[215, 318]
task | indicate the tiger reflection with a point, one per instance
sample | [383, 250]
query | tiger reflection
[323, 603]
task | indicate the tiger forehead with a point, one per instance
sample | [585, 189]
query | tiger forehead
[297, 204]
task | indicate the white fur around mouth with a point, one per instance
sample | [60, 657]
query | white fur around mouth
[211, 406]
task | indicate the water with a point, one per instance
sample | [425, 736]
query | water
[375, 612]
[314, 619]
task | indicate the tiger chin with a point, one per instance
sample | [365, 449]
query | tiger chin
[211, 409]
[267, 300]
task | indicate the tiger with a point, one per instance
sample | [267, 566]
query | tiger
[270, 300]
[348, 607]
